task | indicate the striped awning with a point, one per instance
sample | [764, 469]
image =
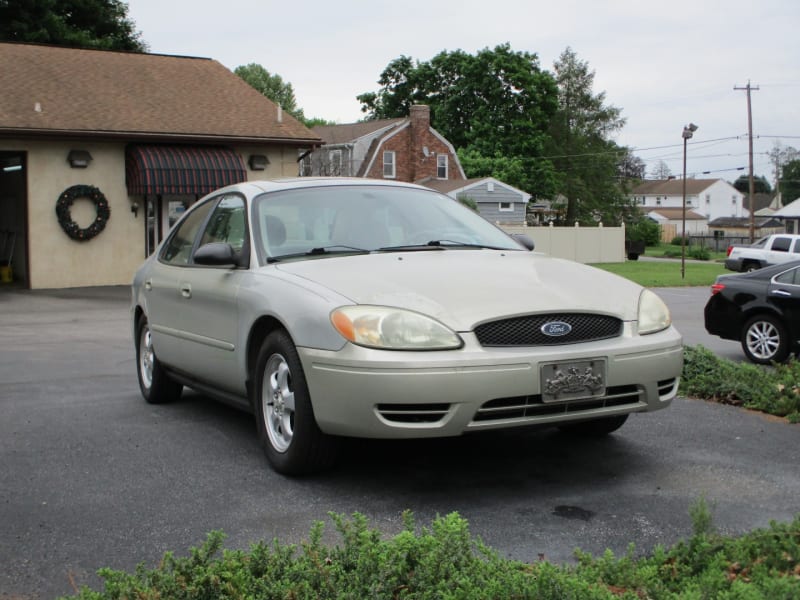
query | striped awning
[181, 169]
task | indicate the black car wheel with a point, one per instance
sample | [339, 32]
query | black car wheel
[764, 340]
[156, 385]
[595, 427]
[750, 266]
[287, 428]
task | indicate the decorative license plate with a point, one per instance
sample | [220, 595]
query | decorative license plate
[573, 380]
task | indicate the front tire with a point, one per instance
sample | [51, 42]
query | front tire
[156, 385]
[288, 431]
[595, 427]
[764, 340]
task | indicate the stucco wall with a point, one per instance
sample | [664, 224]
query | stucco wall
[55, 260]
[282, 161]
[111, 258]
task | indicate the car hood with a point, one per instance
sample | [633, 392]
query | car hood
[462, 288]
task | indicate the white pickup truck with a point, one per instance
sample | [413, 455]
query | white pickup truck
[769, 250]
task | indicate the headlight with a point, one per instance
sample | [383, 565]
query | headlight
[653, 313]
[392, 329]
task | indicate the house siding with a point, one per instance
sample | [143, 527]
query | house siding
[489, 203]
[717, 199]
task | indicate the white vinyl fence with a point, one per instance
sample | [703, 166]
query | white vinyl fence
[582, 244]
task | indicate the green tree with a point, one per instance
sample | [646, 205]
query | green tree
[272, 86]
[101, 24]
[585, 159]
[760, 184]
[630, 166]
[279, 91]
[492, 106]
[790, 181]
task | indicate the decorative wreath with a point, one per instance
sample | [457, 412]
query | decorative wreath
[64, 204]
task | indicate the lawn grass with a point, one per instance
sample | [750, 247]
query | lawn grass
[666, 273]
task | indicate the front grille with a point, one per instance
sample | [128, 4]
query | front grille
[527, 407]
[527, 330]
[413, 413]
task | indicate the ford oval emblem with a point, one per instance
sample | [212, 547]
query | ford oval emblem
[556, 328]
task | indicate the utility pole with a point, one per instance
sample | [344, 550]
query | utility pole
[749, 87]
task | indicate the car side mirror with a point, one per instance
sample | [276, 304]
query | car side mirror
[216, 254]
[524, 240]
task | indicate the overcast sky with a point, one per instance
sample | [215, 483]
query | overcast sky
[665, 64]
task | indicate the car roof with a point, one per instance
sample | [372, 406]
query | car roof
[271, 185]
[763, 273]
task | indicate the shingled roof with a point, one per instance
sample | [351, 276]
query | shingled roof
[673, 187]
[46, 90]
[349, 132]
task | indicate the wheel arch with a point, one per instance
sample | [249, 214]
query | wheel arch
[760, 309]
[138, 315]
[260, 329]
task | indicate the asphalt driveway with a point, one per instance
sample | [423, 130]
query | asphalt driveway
[93, 476]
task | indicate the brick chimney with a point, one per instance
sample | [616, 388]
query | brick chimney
[420, 117]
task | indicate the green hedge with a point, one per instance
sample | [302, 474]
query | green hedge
[774, 390]
[446, 562]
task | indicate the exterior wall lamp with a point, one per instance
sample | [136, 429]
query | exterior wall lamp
[79, 159]
[258, 162]
[688, 131]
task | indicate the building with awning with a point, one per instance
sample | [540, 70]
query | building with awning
[100, 153]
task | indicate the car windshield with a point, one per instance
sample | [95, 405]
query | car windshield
[335, 220]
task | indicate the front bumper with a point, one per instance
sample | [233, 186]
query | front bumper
[362, 392]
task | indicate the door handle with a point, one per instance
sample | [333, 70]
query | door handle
[148, 285]
[186, 290]
[781, 293]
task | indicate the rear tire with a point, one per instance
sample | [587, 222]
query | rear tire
[750, 266]
[764, 340]
[595, 427]
[156, 385]
[287, 428]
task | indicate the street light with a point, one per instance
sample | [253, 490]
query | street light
[688, 131]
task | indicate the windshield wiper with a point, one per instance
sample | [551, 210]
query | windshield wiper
[457, 244]
[320, 251]
[409, 248]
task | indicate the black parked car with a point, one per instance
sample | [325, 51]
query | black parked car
[761, 309]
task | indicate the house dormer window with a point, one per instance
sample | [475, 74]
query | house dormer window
[441, 166]
[388, 165]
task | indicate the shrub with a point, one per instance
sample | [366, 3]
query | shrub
[699, 253]
[774, 390]
[446, 562]
[646, 231]
[678, 241]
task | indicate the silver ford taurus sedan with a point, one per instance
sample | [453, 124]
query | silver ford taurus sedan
[339, 307]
